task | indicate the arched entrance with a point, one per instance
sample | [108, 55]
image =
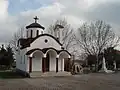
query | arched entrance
[66, 64]
[64, 61]
[49, 62]
[36, 61]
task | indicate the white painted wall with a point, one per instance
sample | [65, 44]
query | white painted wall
[59, 64]
[37, 61]
[40, 43]
[27, 66]
[34, 31]
[21, 60]
[52, 62]
[36, 64]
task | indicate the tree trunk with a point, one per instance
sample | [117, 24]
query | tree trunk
[96, 65]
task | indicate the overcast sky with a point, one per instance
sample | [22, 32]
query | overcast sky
[15, 14]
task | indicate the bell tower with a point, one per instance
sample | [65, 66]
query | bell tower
[58, 32]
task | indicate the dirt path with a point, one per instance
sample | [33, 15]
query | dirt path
[81, 82]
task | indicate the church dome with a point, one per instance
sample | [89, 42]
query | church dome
[35, 25]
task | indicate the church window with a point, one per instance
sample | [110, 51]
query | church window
[21, 60]
[24, 59]
[46, 40]
[27, 33]
[37, 33]
[41, 32]
[31, 33]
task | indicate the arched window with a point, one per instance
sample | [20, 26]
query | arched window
[41, 32]
[24, 59]
[31, 33]
[27, 33]
[37, 33]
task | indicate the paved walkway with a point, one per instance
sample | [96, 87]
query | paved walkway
[78, 82]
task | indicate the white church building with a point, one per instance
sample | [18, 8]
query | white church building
[40, 53]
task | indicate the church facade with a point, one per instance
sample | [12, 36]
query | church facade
[41, 52]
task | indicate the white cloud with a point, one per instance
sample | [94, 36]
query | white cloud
[7, 22]
[75, 11]
[46, 14]
[3, 9]
[45, 11]
[50, 13]
[74, 20]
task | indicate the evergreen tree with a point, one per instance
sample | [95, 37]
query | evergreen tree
[10, 58]
[2, 55]
[6, 56]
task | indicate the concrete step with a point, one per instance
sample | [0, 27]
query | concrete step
[49, 73]
[46, 74]
[63, 73]
[35, 74]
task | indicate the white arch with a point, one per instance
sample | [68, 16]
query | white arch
[65, 53]
[52, 59]
[51, 50]
[31, 55]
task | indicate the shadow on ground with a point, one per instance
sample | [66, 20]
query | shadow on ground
[10, 75]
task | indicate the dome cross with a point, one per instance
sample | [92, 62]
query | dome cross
[36, 18]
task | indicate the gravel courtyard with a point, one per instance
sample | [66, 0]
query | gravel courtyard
[77, 82]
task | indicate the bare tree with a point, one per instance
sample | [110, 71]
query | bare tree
[17, 35]
[95, 37]
[68, 35]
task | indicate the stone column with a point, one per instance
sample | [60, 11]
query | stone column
[43, 64]
[56, 64]
[63, 64]
[30, 64]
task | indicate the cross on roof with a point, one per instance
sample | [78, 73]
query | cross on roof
[36, 18]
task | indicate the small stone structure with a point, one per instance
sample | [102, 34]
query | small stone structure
[77, 67]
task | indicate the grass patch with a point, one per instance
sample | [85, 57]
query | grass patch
[9, 75]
